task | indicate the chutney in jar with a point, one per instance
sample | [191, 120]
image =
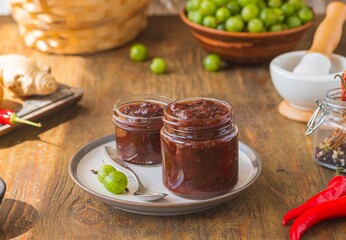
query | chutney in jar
[138, 120]
[199, 142]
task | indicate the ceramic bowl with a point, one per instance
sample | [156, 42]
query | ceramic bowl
[301, 91]
[244, 47]
[2, 189]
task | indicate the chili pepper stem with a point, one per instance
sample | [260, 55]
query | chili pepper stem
[14, 118]
[338, 171]
[342, 80]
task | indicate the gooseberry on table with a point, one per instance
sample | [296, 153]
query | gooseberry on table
[212, 62]
[158, 65]
[138, 52]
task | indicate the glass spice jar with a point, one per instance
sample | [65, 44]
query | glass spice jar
[138, 120]
[328, 123]
[199, 148]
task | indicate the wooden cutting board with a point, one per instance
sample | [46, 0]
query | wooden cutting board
[35, 107]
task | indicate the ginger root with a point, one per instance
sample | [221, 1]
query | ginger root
[26, 77]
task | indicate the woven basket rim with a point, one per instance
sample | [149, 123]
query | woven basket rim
[134, 11]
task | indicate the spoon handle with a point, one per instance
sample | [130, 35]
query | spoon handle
[329, 32]
[142, 192]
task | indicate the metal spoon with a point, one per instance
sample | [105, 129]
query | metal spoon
[141, 192]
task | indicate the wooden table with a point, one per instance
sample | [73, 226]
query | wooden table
[42, 202]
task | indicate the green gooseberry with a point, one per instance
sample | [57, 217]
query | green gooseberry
[103, 171]
[116, 182]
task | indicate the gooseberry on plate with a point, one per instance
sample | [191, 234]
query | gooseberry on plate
[116, 182]
[103, 171]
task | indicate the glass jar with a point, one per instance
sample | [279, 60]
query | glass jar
[199, 143]
[138, 120]
[328, 124]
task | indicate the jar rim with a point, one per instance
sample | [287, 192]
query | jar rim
[174, 118]
[332, 95]
[154, 98]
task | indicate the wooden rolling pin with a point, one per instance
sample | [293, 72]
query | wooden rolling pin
[326, 39]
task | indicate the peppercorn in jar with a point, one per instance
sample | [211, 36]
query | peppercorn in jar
[328, 125]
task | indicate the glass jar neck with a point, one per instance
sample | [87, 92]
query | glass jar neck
[332, 108]
[333, 101]
[200, 128]
[139, 123]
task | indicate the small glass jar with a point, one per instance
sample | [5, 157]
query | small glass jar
[199, 148]
[328, 123]
[138, 120]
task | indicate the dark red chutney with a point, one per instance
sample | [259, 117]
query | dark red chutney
[144, 109]
[200, 148]
[137, 131]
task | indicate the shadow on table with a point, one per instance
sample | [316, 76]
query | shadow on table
[16, 218]
[28, 133]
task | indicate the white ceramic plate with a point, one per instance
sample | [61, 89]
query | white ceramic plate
[92, 156]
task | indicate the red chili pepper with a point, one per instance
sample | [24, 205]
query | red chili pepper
[328, 210]
[343, 85]
[8, 116]
[336, 188]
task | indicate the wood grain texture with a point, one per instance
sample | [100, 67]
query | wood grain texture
[42, 202]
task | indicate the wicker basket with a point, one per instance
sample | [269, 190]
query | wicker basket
[79, 26]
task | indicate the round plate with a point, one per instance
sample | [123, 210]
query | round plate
[2, 189]
[92, 156]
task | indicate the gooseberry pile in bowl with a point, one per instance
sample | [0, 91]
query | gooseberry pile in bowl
[247, 31]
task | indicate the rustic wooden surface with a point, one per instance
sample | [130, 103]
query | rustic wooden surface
[42, 202]
[34, 108]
